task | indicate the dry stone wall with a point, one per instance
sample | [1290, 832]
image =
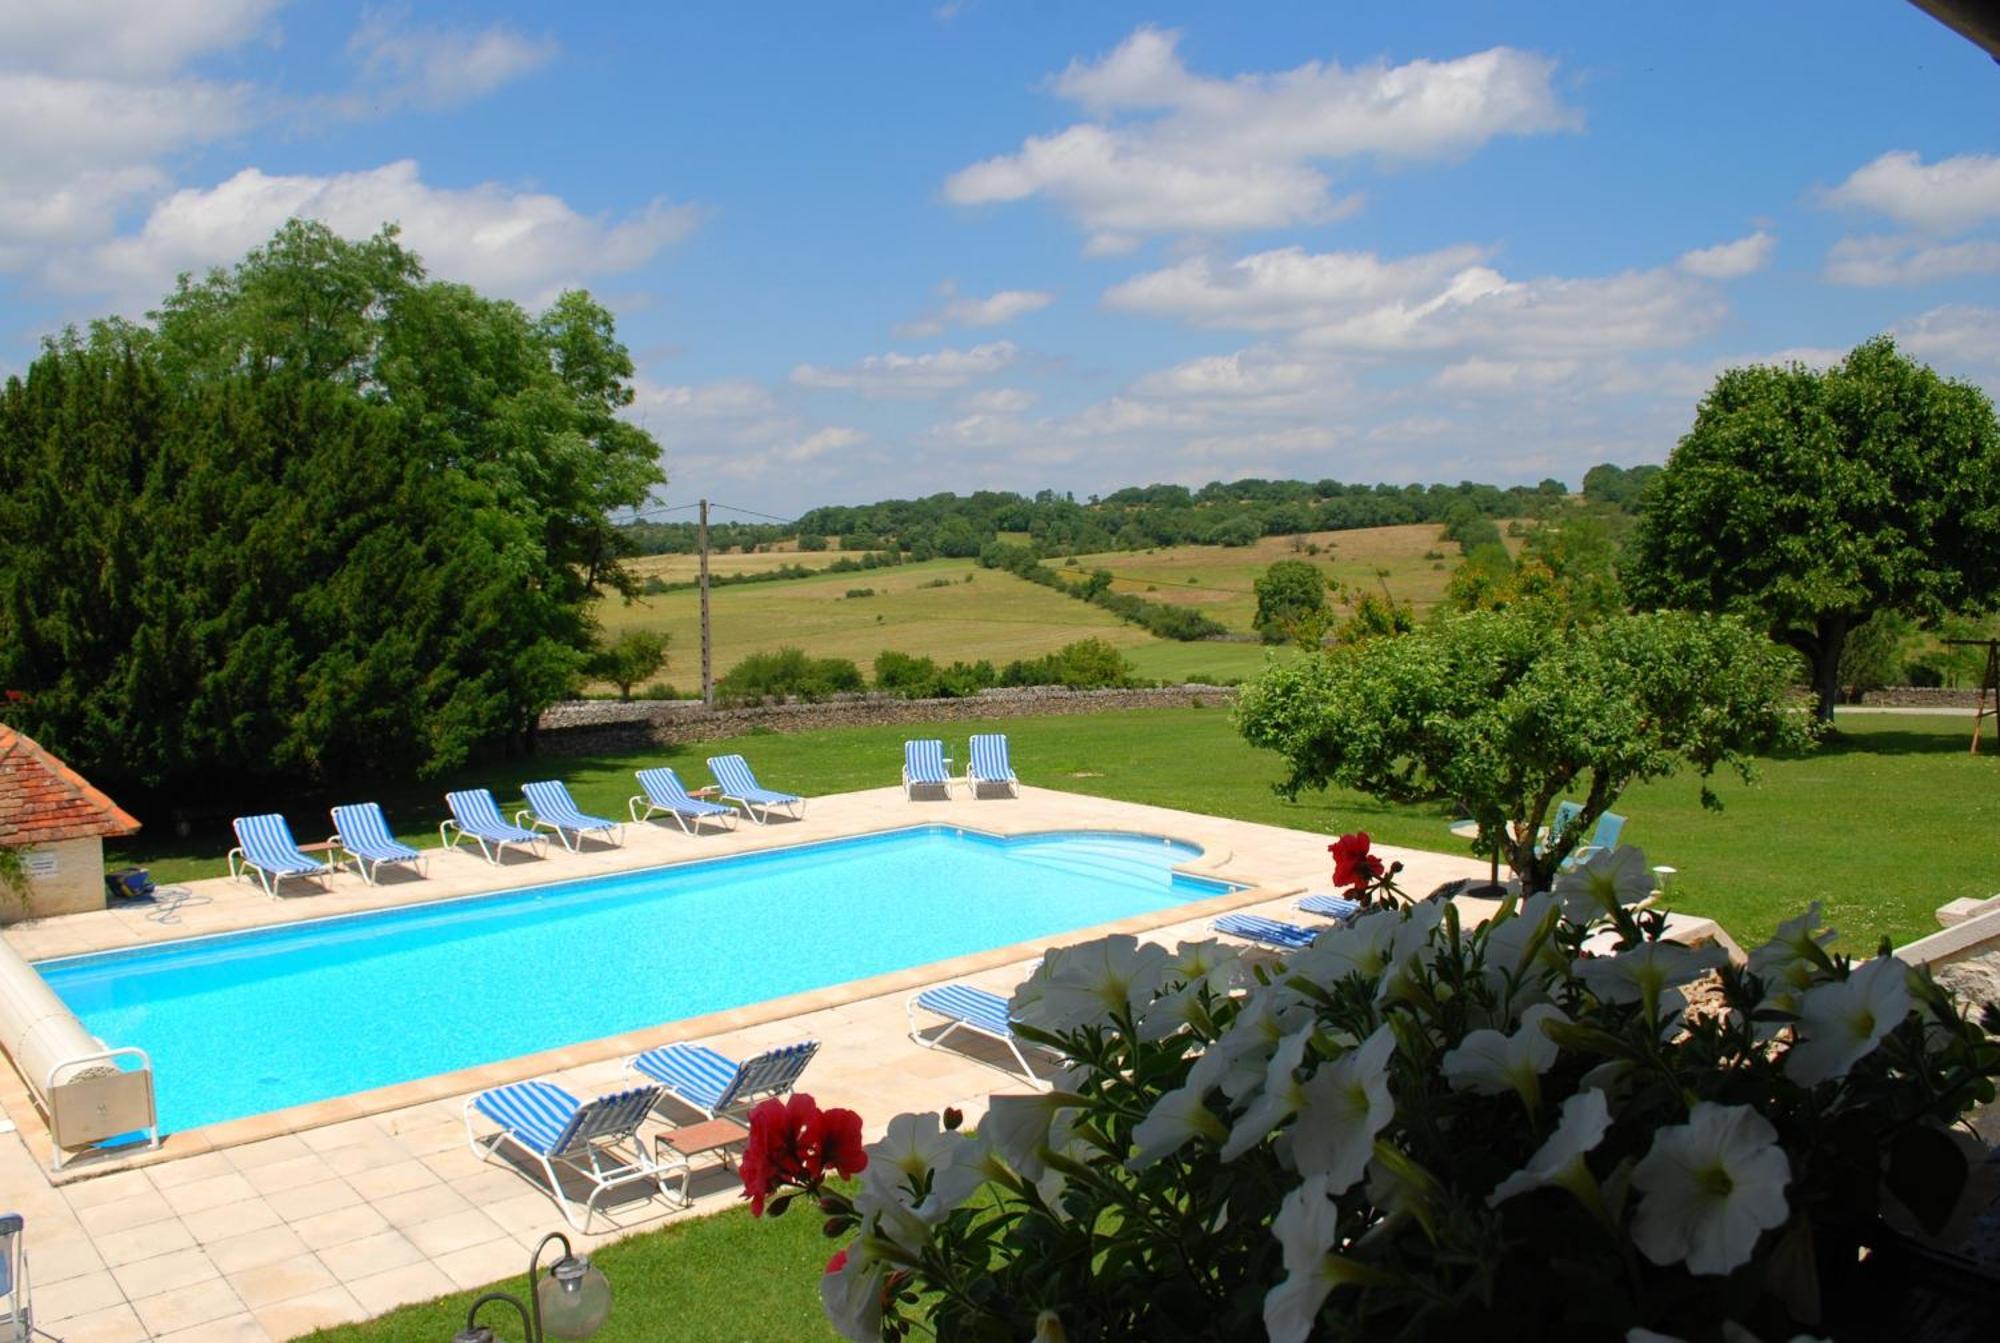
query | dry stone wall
[594, 727]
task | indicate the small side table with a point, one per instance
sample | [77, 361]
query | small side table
[330, 849]
[675, 1149]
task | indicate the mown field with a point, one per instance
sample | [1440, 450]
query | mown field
[1883, 824]
[930, 609]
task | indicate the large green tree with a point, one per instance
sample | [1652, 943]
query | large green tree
[1810, 500]
[321, 517]
[1502, 713]
[1291, 596]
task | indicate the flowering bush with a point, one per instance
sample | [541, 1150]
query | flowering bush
[1411, 1128]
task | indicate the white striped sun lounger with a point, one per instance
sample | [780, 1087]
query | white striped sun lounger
[597, 1140]
[1328, 906]
[362, 832]
[1270, 932]
[475, 813]
[924, 767]
[552, 808]
[716, 1084]
[739, 785]
[264, 846]
[970, 1009]
[987, 763]
[664, 791]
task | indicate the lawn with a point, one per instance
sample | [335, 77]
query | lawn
[1882, 825]
[720, 1279]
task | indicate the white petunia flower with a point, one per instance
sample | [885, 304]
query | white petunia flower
[1363, 946]
[1606, 881]
[1793, 956]
[1197, 967]
[1175, 1118]
[1641, 973]
[1307, 1228]
[1585, 1119]
[1490, 1064]
[1841, 1021]
[1346, 1103]
[1410, 948]
[1279, 1100]
[1520, 945]
[916, 1149]
[1709, 1188]
[1236, 1062]
[851, 1295]
[1017, 1127]
[1085, 984]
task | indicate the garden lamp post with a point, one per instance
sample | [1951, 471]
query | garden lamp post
[571, 1302]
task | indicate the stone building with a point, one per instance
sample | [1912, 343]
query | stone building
[58, 823]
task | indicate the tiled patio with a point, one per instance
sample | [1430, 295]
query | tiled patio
[267, 1228]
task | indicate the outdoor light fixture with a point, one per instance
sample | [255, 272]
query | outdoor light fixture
[571, 1302]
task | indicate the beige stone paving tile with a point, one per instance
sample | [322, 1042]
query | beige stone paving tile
[400, 1178]
[478, 1265]
[164, 1273]
[85, 1294]
[241, 1328]
[491, 1185]
[231, 1220]
[454, 1232]
[187, 1307]
[289, 1173]
[139, 1208]
[303, 1314]
[268, 1284]
[455, 1164]
[373, 1152]
[63, 1255]
[525, 1214]
[150, 1241]
[341, 1227]
[333, 1136]
[201, 1166]
[117, 1324]
[369, 1255]
[285, 1147]
[313, 1200]
[254, 1249]
[421, 1205]
[436, 1137]
[401, 1286]
[210, 1193]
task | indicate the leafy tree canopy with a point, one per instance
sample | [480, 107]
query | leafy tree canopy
[1807, 501]
[1290, 594]
[323, 517]
[1503, 713]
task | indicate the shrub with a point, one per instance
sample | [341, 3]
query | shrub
[1087, 664]
[658, 690]
[788, 674]
[921, 678]
[861, 592]
[629, 659]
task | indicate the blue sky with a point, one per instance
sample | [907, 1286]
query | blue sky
[879, 249]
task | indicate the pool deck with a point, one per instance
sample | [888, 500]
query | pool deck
[269, 1227]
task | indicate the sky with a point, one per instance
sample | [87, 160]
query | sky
[875, 250]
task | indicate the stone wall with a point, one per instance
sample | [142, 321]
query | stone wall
[63, 878]
[592, 727]
[1920, 697]
[1965, 956]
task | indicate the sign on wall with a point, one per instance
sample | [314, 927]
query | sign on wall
[41, 864]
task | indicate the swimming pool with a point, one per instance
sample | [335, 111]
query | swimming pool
[242, 1023]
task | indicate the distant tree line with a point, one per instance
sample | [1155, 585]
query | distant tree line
[321, 517]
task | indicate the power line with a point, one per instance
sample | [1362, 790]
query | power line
[751, 512]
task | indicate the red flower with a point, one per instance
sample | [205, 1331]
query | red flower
[1353, 865]
[840, 1143]
[838, 1262]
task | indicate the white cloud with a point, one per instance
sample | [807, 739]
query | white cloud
[833, 438]
[1730, 260]
[1171, 151]
[995, 309]
[1286, 288]
[1900, 261]
[1948, 196]
[1000, 400]
[1504, 376]
[403, 66]
[516, 243]
[896, 374]
[1245, 378]
[1958, 333]
[123, 38]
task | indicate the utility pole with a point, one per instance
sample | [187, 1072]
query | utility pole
[707, 679]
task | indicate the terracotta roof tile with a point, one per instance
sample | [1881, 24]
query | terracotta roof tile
[44, 801]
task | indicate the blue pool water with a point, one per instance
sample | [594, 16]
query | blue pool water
[248, 1022]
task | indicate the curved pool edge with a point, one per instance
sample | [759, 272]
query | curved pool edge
[463, 1082]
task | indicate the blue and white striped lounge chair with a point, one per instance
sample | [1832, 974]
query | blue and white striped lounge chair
[716, 1085]
[966, 1008]
[988, 764]
[17, 1317]
[664, 791]
[475, 813]
[597, 1139]
[1610, 825]
[554, 809]
[1329, 906]
[1271, 932]
[362, 832]
[264, 845]
[924, 767]
[739, 785]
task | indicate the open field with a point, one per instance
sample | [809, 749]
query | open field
[999, 617]
[685, 568]
[1882, 825]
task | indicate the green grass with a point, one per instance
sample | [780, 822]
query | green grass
[1882, 825]
[720, 1279]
